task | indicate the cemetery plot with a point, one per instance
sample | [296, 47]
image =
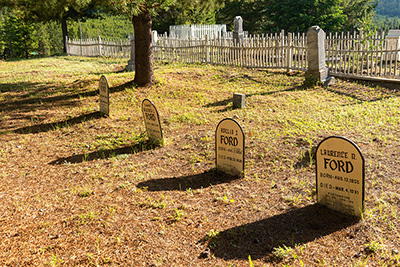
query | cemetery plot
[340, 175]
[229, 147]
[120, 195]
[152, 121]
[104, 96]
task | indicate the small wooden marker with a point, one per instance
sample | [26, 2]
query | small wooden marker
[104, 96]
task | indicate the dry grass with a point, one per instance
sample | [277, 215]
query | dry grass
[78, 189]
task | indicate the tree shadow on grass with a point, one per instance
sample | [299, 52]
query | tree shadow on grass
[107, 153]
[33, 100]
[196, 181]
[294, 227]
[40, 128]
[360, 98]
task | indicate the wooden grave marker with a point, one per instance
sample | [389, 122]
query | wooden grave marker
[152, 121]
[340, 175]
[104, 96]
[229, 147]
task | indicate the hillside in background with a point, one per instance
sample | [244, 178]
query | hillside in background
[389, 8]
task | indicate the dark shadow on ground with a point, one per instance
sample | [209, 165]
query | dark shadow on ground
[27, 101]
[40, 128]
[107, 153]
[360, 98]
[196, 181]
[294, 227]
[387, 90]
[229, 100]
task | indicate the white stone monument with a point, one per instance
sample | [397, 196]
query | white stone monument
[238, 34]
[393, 44]
[317, 70]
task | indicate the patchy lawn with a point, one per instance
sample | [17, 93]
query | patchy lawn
[80, 189]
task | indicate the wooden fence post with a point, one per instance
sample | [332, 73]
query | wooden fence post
[81, 47]
[131, 62]
[207, 50]
[67, 45]
[100, 54]
[289, 51]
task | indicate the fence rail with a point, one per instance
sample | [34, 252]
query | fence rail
[196, 31]
[346, 54]
[99, 47]
[354, 55]
[258, 51]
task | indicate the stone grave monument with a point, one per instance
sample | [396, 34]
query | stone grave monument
[238, 100]
[238, 34]
[317, 70]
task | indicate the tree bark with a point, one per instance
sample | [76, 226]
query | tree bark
[64, 32]
[144, 73]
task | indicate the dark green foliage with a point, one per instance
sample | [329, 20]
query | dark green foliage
[298, 15]
[301, 15]
[254, 14]
[18, 35]
[2, 19]
[108, 27]
[25, 38]
[49, 38]
[383, 23]
[186, 12]
[359, 14]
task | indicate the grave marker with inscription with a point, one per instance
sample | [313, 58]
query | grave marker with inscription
[229, 147]
[152, 121]
[340, 175]
[104, 96]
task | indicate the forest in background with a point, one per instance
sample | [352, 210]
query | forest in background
[387, 15]
[45, 38]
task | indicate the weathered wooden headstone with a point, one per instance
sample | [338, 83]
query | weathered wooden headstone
[104, 96]
[152, 121]
[340, 175]
[229, 147]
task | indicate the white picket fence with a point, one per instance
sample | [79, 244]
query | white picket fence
[355, 55]
[197, 31]
[99, 47]
[346, 54]
[259, 51]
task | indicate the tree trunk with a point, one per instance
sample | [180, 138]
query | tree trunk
[144, 74]
[64, 32]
